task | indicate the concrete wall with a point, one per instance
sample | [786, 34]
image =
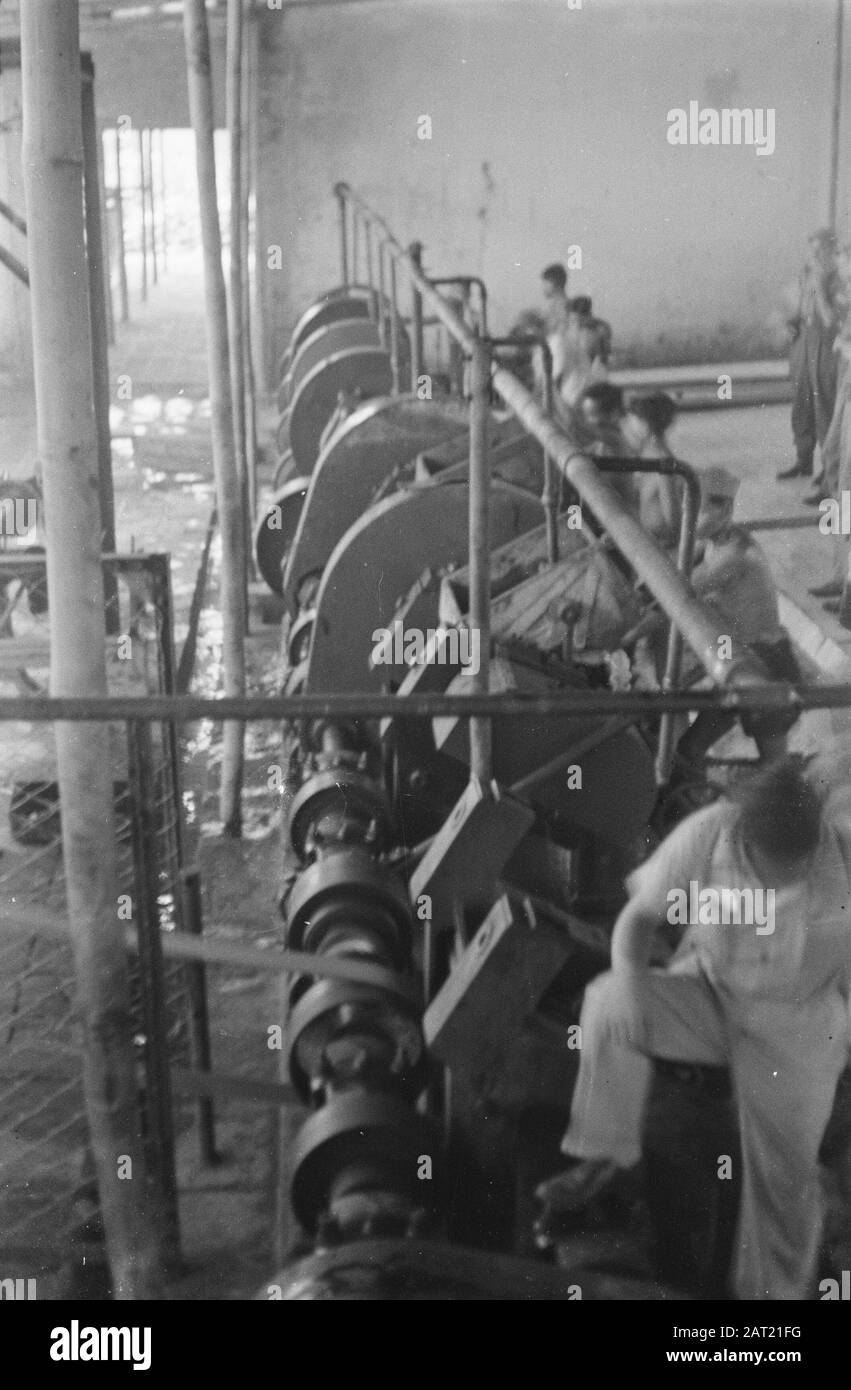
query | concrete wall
[549, 129]
[140, 72]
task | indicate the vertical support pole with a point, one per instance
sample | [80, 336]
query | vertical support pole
[395, 346]
[107, 242]
[552, 482]
[67, 445]
[122, 244]
[454, 351]
[158, 1112]
[147, 145]
[95, 262]
[355, 244]
[199, 1021]
[415, 250]
[344, 240]
[374, 309]
[836, 115]
[236, 313]
[382, 297]
[162, 196]
[245, 203]
[479, 562]
[231, 520]
[674, 655]
[143, 216]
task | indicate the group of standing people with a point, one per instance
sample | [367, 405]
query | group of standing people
[732, 575]
[820, 368]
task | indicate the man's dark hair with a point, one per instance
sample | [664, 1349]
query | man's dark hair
[657, 411]
[581, 304]
[608, 397]
[556, 274]
[779, 811]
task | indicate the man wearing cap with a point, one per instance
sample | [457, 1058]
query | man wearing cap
[734, 580]
[812, 361]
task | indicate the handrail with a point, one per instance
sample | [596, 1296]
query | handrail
[556, 704]
[676, 597]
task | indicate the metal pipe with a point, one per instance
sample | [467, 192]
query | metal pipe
[382, 317]
[480, 554]
[674, 658]
[468, 280]
[394, 330]
[355, 244]
[415, 257]
[157, 1105]
[199, 1021]
[651, 564]
[367, 238]
[685, 560]
[549, 496]
[344, 240]
[188, 709]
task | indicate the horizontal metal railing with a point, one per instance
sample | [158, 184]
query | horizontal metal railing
[565, 704]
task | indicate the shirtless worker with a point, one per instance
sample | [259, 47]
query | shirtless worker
[734, 580]
[583, 353]
[598, 425]
[660, 496]
[812, 361]
[772, 1005]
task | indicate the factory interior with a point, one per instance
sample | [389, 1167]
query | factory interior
[425, 651]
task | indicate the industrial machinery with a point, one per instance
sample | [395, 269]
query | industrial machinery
[462, 877]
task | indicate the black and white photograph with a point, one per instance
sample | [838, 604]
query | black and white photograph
[425, 671]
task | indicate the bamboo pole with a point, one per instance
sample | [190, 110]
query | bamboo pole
[836, 116]
[107, 242]
[248, 53]
[148, 181]
[143, 214]
[95, 257]
[124, 295]
[236, 311]
[162, 196]
[231, 518]
[67, 440]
